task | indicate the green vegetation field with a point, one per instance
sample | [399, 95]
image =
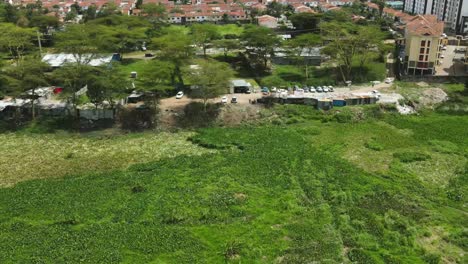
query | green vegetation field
[305, 190]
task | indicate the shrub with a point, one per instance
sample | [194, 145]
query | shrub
[196, 116]
[372, 144]
[432, 258]
[137, 118]
[411, 156]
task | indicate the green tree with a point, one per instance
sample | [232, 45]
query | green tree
[210, 79]
[90, 13]
[109, 9]
[275, 9]
[350, 43]
[381, 5]
[343, 46]
[121, 39]
[44, 23]
[107, 84]
[25, 77]
[155, 13]
[175, 47]
[305, 21]
[82, 41]
[157, 77]
[370, 43]
[73, 77]
[261, 43]
[16, 40]
[227, 45]
[204, 34]
[304, 44]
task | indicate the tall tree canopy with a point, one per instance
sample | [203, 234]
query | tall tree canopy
[260, 42]
[16, 40]
[210, 79]
[350, 43]
[175, 47]
[204, 34]
[303, 45]
[24, 78]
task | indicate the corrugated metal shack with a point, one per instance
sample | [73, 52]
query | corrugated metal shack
[322, 103]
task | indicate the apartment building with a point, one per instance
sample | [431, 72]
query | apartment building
[452, 12]
[422, 44]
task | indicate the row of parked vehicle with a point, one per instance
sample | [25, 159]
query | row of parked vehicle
[305, 89]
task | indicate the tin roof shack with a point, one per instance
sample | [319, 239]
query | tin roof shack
[339, 102]
[58, 60]
[239, 86]
[12, 108]
[46, 104]
[361, 100]
[91, 112]
[312, 57]
[324, 104]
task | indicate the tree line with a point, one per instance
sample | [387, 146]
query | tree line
[27, 31]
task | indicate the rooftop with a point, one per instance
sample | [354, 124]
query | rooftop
[425, 25]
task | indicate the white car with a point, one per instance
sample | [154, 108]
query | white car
[325, 89]
[179, 95]
[444, 48]
[224, 100]
[388, 80]
[442, 56]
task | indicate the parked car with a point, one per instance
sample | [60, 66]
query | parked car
[331, 88]
[319, 89]
[273, 89]
[224, 100]
[179, 95]
[325, 89]
[234, 100]
[388, 80]
[149, 55]
[444, 48]
[312, 90]
[248, 91]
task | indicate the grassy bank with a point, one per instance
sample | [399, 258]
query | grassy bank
[306, 189]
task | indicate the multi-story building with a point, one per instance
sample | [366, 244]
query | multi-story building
[422, 44]
[449, 11]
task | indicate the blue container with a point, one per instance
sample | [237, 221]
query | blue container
[339, 103]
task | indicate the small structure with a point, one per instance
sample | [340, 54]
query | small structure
[58, 60]
[239, 86]
[312, 56]
[91, 112]
[267, 21]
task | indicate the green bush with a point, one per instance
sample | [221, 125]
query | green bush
[411, 156]
[374, 145]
